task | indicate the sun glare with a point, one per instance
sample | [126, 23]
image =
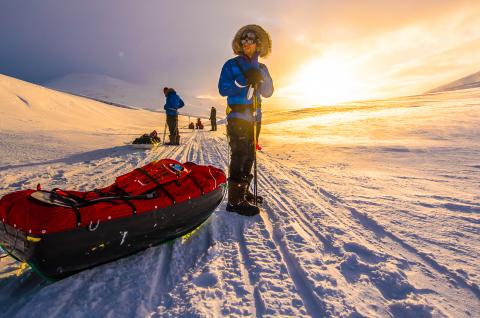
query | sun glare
[327, 80]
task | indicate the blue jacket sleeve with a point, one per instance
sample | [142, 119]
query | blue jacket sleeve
[168, 102]
[226, 83]
[173, 102]
[180, 102]
[166, 106]
[266, 88]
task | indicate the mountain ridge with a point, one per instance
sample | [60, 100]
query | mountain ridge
[469, 81]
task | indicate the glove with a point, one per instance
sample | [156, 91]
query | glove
[253, 76]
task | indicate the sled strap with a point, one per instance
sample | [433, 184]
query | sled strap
[78, 199]
[127, 200]
[109, 194]
[196, 183]
[159, 186]
[130, 204]
[76, 210]
[7, 215]
[78, 216]
[6, 218]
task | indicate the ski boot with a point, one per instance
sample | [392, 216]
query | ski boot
[236, 199]
[174, 140]
[170, 140]
[177, 140]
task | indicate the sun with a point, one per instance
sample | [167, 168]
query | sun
[326, 80]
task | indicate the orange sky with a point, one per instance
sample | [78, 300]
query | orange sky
[324, 51]
[365, 51]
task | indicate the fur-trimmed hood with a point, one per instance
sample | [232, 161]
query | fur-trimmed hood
[264, 46]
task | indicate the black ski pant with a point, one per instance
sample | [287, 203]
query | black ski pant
[240, 138]
[213, 122]
[172, 122]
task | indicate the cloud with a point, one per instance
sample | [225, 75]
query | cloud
[407, 57]
[184, 43]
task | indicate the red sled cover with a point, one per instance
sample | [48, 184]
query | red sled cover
[147, 178]
[169, 181]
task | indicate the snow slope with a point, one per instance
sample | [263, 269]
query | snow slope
[107, 88]
[37, 123]
[371, 212]
[470, 81]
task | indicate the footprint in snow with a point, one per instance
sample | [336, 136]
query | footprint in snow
[206, 280]
[363, 252]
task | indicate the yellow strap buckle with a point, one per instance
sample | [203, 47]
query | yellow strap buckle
[34, 239]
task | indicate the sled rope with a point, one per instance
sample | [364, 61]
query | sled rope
[72, 201]
[159, 185]
[196, 182]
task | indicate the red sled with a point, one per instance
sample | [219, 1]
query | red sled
[59, 232]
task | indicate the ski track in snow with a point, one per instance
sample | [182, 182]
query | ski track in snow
[309, 253]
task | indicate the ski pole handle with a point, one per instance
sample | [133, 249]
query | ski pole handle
[250, 92]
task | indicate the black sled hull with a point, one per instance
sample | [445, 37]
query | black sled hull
[59, 255]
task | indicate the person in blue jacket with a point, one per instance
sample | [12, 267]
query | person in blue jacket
[239, 75]
[172, 104]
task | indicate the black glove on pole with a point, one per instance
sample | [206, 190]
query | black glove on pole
[253, 76]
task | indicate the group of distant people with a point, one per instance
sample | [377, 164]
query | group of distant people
[172, 105]
[243, 80]
[199, 124]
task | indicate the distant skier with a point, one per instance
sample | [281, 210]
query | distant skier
[172, 104]
[213, 118]
[237, 76]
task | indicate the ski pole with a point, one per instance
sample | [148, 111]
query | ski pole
[255, 106]
[177, 132]
[164, 130]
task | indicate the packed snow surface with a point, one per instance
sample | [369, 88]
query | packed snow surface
[372, 210]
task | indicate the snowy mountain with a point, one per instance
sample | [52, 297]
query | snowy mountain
[42, 122]
[118, 91]
[371, 211]
[470, 81]
[46, 109]
[107, 88]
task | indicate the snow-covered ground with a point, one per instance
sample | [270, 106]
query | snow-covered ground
[373, 210]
